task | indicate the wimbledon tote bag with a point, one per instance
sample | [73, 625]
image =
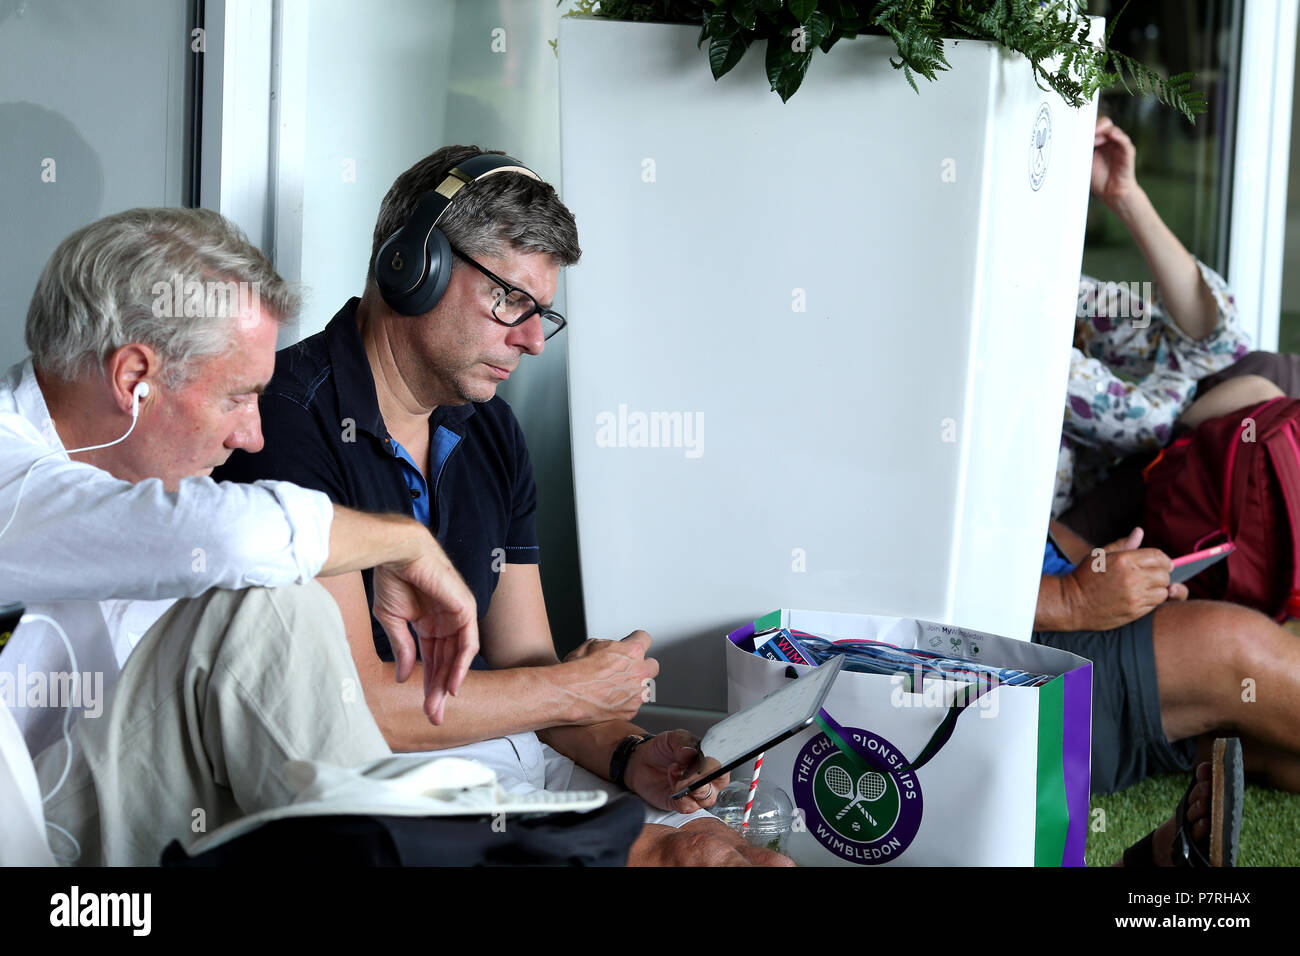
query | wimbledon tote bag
[929, 772]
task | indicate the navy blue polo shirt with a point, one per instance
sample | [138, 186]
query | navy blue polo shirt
[323, 430]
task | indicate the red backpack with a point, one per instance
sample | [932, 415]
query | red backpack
[1234, 478]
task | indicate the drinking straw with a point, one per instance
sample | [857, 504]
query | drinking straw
[753, 786]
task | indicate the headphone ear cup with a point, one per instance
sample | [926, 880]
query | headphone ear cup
[394, 263]
[413, 266]
[428, 293]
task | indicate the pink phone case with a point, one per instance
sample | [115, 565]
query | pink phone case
[1190, 565]
[1207, 553]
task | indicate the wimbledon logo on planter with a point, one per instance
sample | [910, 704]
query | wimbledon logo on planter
[864, 817]
[1040, 147]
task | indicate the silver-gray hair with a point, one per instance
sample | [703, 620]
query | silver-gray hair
[172, 279]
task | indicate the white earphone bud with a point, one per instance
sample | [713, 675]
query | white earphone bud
[140, 391]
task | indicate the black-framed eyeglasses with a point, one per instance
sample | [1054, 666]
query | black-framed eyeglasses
[513, 306]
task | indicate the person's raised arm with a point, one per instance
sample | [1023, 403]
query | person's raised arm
[1188, 300]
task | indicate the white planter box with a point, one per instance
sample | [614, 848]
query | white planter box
[891, 448]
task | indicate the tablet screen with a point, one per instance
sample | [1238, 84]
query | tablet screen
[781, 714]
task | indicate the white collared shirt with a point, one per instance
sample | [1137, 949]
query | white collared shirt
[106, 557]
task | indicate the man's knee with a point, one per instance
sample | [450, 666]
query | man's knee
[280, 656]
[285, 631]
[1253, 647]
[1216, 631]
[1238, 639]
[303, 612]
[1211, 655]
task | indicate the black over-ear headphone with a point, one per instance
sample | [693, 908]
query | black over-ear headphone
[413, 266]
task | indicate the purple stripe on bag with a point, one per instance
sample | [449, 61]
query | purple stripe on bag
[741, 634]
[1075, 746]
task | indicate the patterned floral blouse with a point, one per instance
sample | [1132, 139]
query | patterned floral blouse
[1131, 377]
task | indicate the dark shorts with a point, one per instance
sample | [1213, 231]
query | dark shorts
[1128, 741]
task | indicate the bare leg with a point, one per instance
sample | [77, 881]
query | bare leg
[1229, 396]
[1228, 669]
[1264, 764]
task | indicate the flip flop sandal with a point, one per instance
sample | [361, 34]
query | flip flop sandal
[1227, 787]
[1226, 794]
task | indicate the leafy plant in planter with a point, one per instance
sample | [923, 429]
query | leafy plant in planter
[1042, 31]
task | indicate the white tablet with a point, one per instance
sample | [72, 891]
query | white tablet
[781, 714]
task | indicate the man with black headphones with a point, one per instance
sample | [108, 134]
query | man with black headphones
[393, 408]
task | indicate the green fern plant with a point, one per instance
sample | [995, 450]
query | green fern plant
[1053, 35]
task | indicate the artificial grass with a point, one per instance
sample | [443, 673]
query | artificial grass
[1270, 825]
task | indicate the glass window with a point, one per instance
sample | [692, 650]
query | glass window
[94, 120]
[1289, 332]
[1185, 169]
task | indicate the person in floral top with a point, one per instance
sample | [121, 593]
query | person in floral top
[1136, 361]
[1167, 671]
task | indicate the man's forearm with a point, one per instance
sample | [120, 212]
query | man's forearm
[1186, 296]
[1055, 609]
[592, 746]
[359, 541]
[1074, 547]
[490, 704]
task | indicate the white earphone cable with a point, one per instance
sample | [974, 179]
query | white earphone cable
[67, 727]
[140, 391]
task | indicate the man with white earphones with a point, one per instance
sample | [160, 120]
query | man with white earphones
[107, 516]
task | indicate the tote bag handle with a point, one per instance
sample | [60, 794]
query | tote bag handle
[863, 759]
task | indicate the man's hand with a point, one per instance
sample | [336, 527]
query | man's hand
[659, 766]
[429, 593]
[607, 680]
[1114, 161]
[1128, 583]
[699, 843]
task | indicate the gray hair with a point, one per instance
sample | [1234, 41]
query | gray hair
[493, 217]
[172, 279]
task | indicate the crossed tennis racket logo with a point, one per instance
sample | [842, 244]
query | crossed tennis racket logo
[871, 786]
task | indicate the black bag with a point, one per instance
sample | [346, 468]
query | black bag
[600, 837]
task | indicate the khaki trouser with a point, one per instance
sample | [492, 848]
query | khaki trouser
[222, 691]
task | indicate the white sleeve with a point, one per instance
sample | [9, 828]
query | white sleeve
[78, 533]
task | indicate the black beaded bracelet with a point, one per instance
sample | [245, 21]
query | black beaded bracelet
[623, 754]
